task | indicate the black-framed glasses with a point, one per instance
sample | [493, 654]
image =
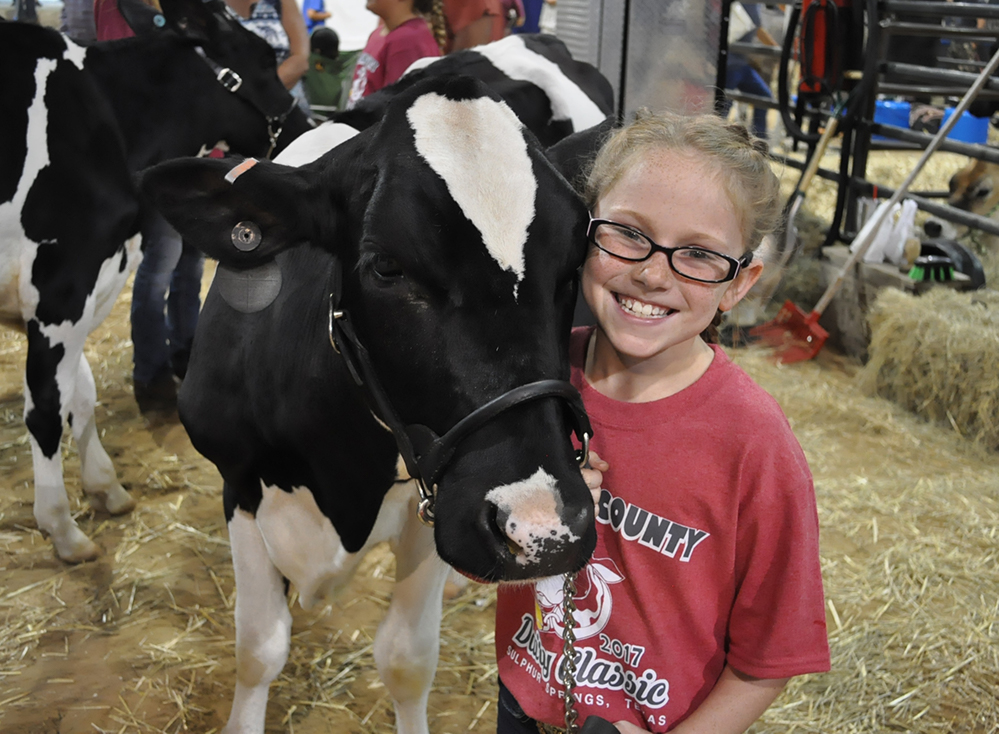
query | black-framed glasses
[693, 263]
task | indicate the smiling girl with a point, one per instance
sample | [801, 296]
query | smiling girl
[704, 595]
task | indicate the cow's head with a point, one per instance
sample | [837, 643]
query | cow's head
[975, 188]
[459, 243]
[244, 64]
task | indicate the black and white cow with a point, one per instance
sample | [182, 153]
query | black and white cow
[553, 94]
[450, 246]
[75, 124]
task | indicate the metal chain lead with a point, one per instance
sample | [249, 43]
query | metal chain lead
[569, 651]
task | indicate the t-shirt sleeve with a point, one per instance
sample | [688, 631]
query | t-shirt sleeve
[777, 627]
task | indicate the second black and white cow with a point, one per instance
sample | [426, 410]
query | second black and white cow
[553, 94]
[75, 124]
[443, 257]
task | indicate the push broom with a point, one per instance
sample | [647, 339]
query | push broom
[796, 336]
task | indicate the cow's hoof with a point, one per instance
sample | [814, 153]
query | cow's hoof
[116, 501]
[76, 549]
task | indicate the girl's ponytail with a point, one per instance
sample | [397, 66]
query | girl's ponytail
[438, 24]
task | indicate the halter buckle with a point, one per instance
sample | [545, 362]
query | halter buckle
[229, 79]
[335, 315]
[425, 511]
[583, 455]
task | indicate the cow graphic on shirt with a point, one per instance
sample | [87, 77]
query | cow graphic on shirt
[593, 605]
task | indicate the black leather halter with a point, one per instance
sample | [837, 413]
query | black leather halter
[233, 82]
[426, 454]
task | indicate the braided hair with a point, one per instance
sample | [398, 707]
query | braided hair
[433, 11]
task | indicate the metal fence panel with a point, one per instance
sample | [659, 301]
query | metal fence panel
[671, 52]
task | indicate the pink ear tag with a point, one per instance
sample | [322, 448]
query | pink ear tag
[239, 170]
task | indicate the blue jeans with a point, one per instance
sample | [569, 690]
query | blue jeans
[166, 298]
[532, 17]
[740, 75]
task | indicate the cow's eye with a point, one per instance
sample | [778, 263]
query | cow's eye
[983, 192]
[385, 267]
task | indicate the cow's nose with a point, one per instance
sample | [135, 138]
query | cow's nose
[529, 518]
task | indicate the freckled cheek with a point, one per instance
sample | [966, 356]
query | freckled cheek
[594, 279]
[599, 268]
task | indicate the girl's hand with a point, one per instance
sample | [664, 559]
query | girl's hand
[594, 475]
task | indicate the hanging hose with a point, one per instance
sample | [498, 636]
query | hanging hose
[828, 82]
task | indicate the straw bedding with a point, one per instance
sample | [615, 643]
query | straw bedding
[937, 356]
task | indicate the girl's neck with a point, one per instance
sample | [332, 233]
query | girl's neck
[397, 17]
[642, 381]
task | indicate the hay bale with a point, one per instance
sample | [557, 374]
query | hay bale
[935, 355]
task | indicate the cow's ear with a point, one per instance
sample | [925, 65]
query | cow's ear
[574, 154]
[240, 214]
[143, 19]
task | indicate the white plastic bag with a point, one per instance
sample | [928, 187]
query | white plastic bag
[900, 233]
[549, 17]
[739, 22]
[876, 251]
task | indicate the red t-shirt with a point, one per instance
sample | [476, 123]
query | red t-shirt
[109, 23]
[387, 56]
[462, 13]
[707, 552]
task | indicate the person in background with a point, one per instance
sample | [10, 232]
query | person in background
[315, 14]
[280, 23]
[473, 23]
[76, 20]
[704, 592]
[514, 11]
[409, 30]
[329, 73]
[742, 75]
[532, 17]
[166, 290]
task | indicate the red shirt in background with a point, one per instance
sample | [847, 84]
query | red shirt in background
[387, 55]
[461, 13]
[108, 21]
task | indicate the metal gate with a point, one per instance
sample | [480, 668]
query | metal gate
[660, 54]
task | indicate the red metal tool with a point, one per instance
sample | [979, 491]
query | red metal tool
[797, 336]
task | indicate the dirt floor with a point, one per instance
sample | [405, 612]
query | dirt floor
[142, 639]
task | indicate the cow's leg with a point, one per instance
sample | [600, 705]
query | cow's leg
[48, 380]
[408, 640]
[99, 479]
[263, 625]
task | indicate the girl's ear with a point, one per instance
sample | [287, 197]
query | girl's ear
[742, 284]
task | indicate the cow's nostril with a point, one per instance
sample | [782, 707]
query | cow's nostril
[515, 550]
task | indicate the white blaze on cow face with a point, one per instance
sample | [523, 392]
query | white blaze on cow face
[478, 148]
[530, 515]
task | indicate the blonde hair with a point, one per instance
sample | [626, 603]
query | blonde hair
[741, 159]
